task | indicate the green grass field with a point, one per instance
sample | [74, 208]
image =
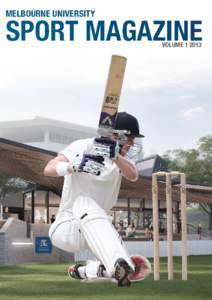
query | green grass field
[31, 282]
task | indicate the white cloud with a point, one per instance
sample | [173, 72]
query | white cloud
[154, 84]
[192, 113]
[188, 97]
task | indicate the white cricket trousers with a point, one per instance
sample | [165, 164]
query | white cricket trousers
[87, 226]
[65, 233]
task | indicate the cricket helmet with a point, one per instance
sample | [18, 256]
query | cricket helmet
[125, 121]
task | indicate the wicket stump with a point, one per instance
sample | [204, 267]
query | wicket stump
[156, 243]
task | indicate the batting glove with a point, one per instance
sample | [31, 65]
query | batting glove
[89, 163]
[106, 147]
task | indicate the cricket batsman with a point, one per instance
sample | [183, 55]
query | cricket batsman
[92, 170]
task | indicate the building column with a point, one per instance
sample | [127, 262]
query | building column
[46, 136]
[47, 206]
[33, 206]
[128, 211]
[144, 211]
[1, 211]
[114, 217]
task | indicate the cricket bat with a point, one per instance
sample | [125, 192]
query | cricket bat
[112, 94]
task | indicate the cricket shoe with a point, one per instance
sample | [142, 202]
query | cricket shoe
[94, 271]
[122, 273]
[142, 268]
[73, 271]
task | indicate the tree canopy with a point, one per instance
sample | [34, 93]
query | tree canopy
[10, 184]
[196, 163]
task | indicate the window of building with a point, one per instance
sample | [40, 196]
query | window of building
[60, 138]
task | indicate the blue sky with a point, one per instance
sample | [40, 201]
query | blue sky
[168, 90]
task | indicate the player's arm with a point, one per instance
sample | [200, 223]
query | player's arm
[127, 168]
[51, 169]
[108, 147]
[88, 163]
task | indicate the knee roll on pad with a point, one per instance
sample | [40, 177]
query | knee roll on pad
[65, 235]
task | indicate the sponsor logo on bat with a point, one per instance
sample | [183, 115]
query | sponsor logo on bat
[113, 100]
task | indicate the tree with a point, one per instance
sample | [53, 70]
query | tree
[9, 185]
[196, 163]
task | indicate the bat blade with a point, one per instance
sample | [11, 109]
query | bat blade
[112, 93]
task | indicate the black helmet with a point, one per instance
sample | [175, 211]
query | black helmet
[125, 121]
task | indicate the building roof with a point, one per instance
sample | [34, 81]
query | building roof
[42, 121]
[45, 133]
[142, 189]
[151, 164]
[28, 162]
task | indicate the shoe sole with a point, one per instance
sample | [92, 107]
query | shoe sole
[122, 272]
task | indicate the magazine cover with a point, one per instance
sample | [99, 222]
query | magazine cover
[105, 109]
